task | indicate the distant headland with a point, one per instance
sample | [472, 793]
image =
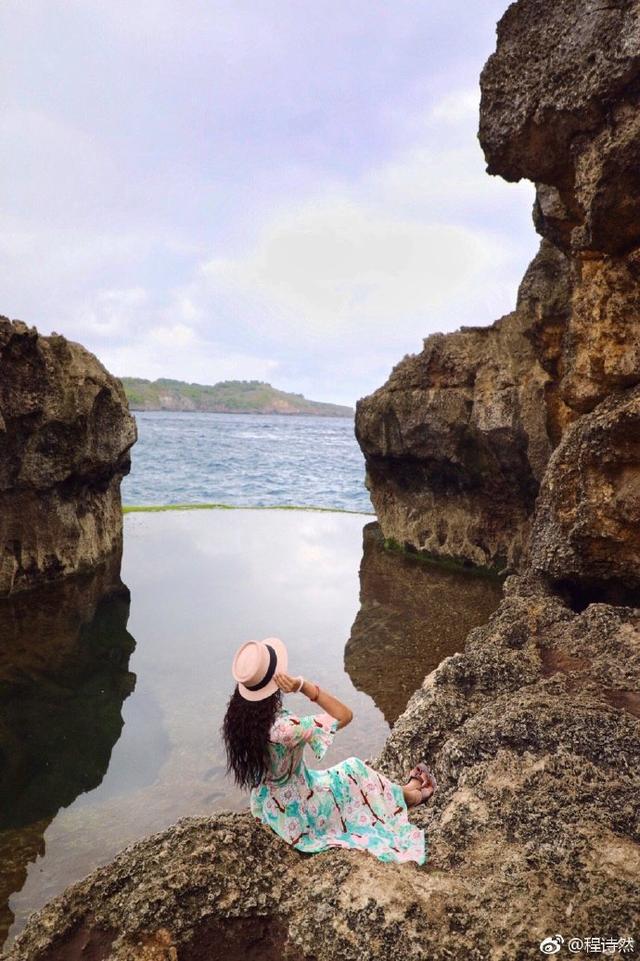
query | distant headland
[226, 397]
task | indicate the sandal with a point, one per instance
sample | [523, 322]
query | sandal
[426, 775]
[418, 772]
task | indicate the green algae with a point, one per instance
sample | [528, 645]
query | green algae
[493, 572]
[150, 508]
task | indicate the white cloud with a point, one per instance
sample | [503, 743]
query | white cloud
[333, 270]
[202, 362]
[424, 242]
[333, 287]
[112, 313]
[176, 335]
[56, 171]
[459, 105]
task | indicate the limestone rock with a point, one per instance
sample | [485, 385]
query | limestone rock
[601, 349]
[559, 106]
[587, 523]
[457, 440]
[65, 436]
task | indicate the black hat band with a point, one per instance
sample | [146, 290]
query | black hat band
[271, 670]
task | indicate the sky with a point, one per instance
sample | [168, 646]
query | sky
[283, 190]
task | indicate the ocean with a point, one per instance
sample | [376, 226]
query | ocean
[246, 460]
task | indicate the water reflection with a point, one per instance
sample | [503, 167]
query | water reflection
[64, 653]
[116, 768]
[201, 582]
[412, 615]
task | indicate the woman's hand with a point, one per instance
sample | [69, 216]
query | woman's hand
[330, 704]
[287, 683]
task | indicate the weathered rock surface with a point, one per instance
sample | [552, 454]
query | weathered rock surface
[559, 106]
[587, 523]
[601, 349]
[535, 734]
[65, 436]
[457, 441]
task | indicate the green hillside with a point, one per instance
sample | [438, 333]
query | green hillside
[229, 397]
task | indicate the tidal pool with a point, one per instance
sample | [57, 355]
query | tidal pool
[113, 686]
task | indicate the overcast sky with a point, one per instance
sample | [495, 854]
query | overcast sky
[287, 190]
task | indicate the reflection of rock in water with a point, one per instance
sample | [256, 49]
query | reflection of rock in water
[64, 654]
[412, 615]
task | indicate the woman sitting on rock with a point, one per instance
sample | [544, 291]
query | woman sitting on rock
[348, 805]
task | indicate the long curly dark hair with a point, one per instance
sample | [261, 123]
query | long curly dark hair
[245, 731]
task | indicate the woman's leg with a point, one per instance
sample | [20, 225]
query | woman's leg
[415, 792]
[412, 795]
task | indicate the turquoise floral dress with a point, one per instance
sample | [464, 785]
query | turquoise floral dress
[346, 806]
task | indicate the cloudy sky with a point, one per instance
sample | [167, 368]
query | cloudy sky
[287, 190]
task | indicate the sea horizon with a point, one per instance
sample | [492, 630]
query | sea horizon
[202, 458]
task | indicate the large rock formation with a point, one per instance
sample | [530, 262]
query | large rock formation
[559, 107]
[514, 444]
[457, 441]
[586, 529]
[65, 436]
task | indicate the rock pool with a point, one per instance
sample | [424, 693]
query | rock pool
[113, 686]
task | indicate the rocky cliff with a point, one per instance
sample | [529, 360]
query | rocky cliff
[65, 436]
[458, 439]
[517, 444]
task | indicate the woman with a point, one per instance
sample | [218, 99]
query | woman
[348, 805]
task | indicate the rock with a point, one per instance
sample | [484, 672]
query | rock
[559, 106]
[601, 350]
[65, 436]
[457, 440]
[587, 523]
[166, 890]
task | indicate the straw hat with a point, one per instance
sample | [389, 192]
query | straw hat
[255, 664]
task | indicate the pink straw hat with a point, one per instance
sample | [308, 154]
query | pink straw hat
[255, 664]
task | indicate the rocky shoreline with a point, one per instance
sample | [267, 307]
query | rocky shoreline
[518, 446]
[534, 734]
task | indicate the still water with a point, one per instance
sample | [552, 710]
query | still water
[113, 687]
[247, 460]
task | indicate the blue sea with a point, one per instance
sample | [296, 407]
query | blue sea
[246, 460]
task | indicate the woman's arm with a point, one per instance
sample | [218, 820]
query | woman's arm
[326, 701]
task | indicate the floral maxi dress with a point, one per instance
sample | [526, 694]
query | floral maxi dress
[347, 806]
